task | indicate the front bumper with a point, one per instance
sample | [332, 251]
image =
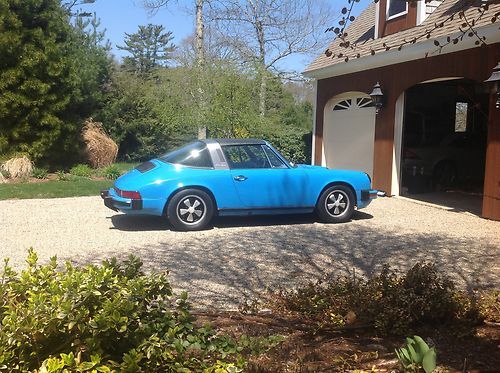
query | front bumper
[117, 205]
[368, 194]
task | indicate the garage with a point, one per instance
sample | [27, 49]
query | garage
[444, 143]
[349, 132]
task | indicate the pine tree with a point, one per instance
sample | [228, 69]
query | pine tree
[37, 79]
[149, 47]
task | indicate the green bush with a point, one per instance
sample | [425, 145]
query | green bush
[40, 173]
[111, 172]
[390, 303]
[81, 170]
[294, 144]
[62, 176]
[103, 318]
[489, 305]
[5, 173]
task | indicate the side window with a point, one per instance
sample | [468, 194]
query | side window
[198, 158]
[194, 155]
[273, 158]
[246, 156]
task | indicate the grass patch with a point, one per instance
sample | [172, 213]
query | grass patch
[81, 181]
[54, 189]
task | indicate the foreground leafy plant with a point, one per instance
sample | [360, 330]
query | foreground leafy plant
[103, 318]
[82, 170]
[417, 356]
[111, 172]
[40, 173]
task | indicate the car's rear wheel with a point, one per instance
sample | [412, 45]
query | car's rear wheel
[190, 210]
[336, 204]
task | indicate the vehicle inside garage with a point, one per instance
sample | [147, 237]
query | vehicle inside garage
[444, 143]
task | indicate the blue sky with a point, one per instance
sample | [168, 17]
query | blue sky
[124, 16]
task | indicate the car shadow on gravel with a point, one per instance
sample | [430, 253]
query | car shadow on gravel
[131, 223]
[224, 266]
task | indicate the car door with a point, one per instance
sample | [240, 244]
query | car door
[262, 180]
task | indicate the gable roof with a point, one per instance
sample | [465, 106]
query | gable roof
[361, 33]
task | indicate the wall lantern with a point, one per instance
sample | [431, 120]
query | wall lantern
[494, 79]
[377, 97]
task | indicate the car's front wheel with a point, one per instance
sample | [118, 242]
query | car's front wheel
[190, 210]
[336, 204]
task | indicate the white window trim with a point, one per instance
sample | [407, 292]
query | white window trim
[395, 15]
[377, 20]
[421, 16]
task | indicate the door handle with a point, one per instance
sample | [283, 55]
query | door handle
[240, 178]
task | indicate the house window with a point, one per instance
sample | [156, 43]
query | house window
[396, 8]
[343, 105]
[461, 109]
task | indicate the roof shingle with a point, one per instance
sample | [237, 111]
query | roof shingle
[361, 32]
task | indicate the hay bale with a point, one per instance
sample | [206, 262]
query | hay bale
[19, 167]
[99, 149]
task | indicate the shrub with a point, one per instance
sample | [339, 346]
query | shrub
[111, 172]
[62, 176]
[101, 318]
[489, 305]
[390, 303]
[81, 170]
[295, 145]
[40, 173]
[5, 173]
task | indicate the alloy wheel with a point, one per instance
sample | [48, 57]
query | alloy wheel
[337, 203]
[191, 209]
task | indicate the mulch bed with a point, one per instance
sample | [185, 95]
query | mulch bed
[306, 349]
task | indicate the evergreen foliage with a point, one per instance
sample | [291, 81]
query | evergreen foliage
[37, 78]
[149, 47]
[51, 77]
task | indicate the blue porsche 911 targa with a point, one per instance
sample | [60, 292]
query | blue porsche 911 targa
[235, 177]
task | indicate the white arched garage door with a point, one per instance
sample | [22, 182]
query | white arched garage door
[349, 132]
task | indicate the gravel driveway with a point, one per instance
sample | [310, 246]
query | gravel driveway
[242, 255]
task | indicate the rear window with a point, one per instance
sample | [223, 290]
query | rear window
[192, 155]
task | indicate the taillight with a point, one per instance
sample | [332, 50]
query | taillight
[408, 154]
[128, 194]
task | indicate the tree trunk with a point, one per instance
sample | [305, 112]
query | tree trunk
[262, 68]
[200, 50]
[200, 66]
[263, 93]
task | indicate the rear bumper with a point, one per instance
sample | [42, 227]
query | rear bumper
[117, 205]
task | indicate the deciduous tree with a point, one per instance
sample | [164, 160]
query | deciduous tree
[264, 32]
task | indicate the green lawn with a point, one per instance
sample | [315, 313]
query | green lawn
[73, 187]
[54, 189]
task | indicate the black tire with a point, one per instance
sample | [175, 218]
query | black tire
[190, 210]
[336, 204]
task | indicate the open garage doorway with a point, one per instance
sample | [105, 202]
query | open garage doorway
[444, 143]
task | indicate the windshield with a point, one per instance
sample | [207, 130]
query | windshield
[194, 154]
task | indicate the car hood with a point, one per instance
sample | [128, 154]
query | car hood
[308, 166]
